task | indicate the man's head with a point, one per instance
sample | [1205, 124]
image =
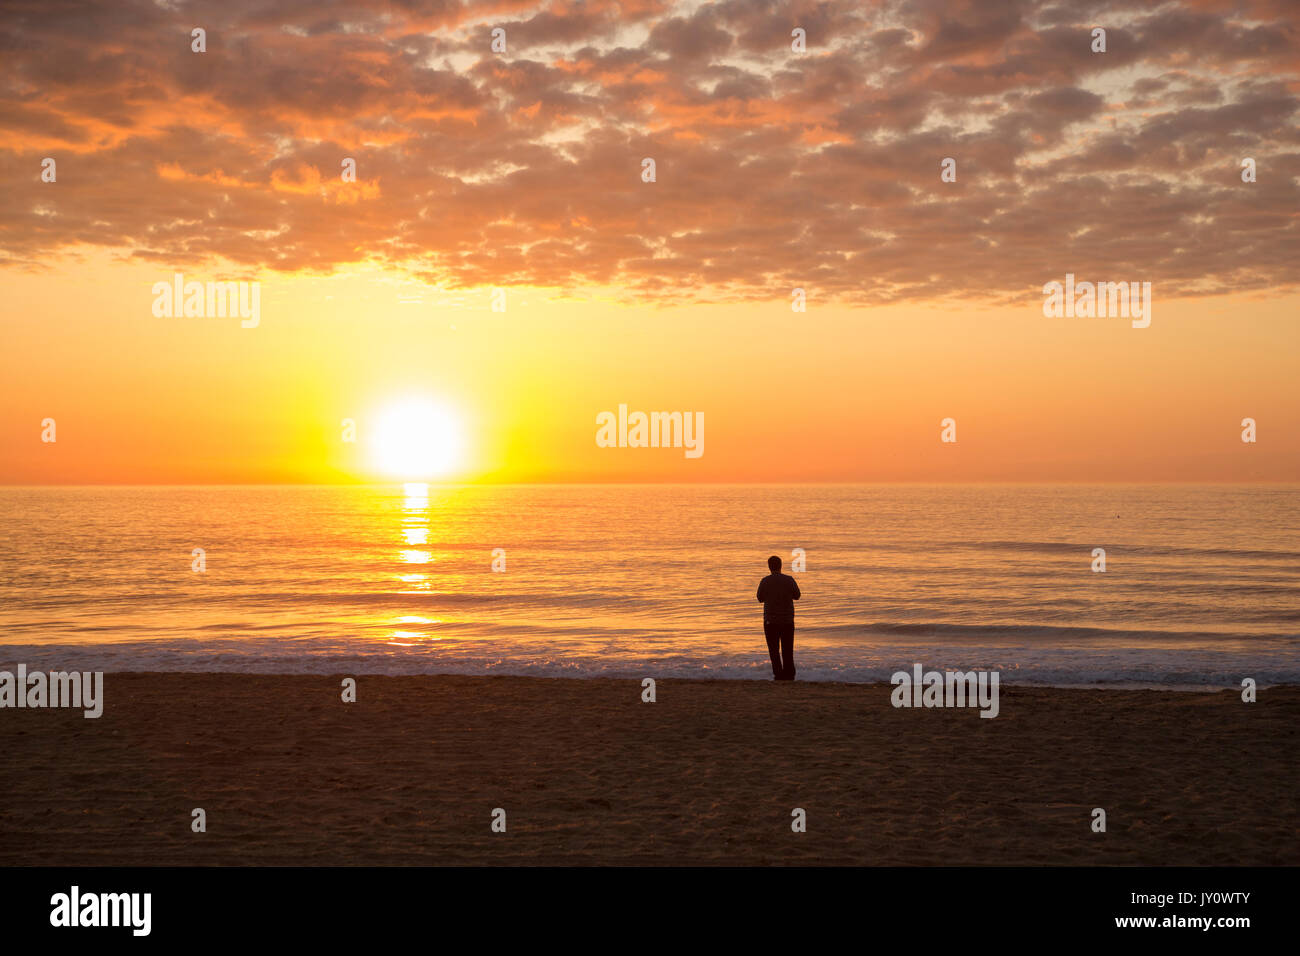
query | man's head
[774, 564]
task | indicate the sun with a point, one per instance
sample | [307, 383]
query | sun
[416, 438]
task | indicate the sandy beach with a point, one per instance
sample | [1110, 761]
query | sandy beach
[589, 774]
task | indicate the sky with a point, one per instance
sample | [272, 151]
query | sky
[522, 170]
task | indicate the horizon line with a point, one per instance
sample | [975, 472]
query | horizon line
[464, 484]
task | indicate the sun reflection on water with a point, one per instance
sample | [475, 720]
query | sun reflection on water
[414, 530]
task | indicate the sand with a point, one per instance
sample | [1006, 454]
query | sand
[589, 774]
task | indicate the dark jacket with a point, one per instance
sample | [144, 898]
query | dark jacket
[778, 592]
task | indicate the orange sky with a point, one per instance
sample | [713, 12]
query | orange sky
[522, 170]
[833, 394]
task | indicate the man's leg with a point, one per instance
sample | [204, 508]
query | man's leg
[773, 635]
[787, 650]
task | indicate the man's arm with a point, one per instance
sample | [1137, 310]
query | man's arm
[760, 588]
[796, 588]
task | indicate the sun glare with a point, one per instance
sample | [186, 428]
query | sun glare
[416, 439]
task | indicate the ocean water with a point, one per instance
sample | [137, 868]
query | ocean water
[1201, 588]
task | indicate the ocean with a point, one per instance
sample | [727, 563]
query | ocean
[1201, 586]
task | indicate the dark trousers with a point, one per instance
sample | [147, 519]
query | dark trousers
[780, 646]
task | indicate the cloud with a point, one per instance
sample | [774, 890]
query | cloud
[773, 169]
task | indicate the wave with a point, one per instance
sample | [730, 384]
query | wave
[1115, 668]
[1042, 632]
[1066, 547]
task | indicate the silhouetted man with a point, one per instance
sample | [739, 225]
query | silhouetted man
[778, 592]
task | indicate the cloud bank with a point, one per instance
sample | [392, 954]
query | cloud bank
[774, 169]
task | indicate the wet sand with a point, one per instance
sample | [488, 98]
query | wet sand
[589, 774]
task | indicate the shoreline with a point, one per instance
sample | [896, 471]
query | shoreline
[45, 664]
[588, 773]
